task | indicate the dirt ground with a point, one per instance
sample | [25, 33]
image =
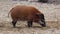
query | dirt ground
[51, 12]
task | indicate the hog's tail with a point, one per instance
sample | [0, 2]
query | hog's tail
[10, 12]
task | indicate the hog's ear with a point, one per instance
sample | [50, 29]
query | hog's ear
[37, 14]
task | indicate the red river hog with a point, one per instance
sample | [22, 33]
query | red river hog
[27, 13]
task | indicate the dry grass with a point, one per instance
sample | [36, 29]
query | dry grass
[51, 15]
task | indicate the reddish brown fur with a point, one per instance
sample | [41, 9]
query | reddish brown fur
[25, 13]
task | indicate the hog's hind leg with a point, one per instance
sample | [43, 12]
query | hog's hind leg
[14, 23]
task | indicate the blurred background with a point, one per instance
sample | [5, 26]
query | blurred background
[50, 8]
